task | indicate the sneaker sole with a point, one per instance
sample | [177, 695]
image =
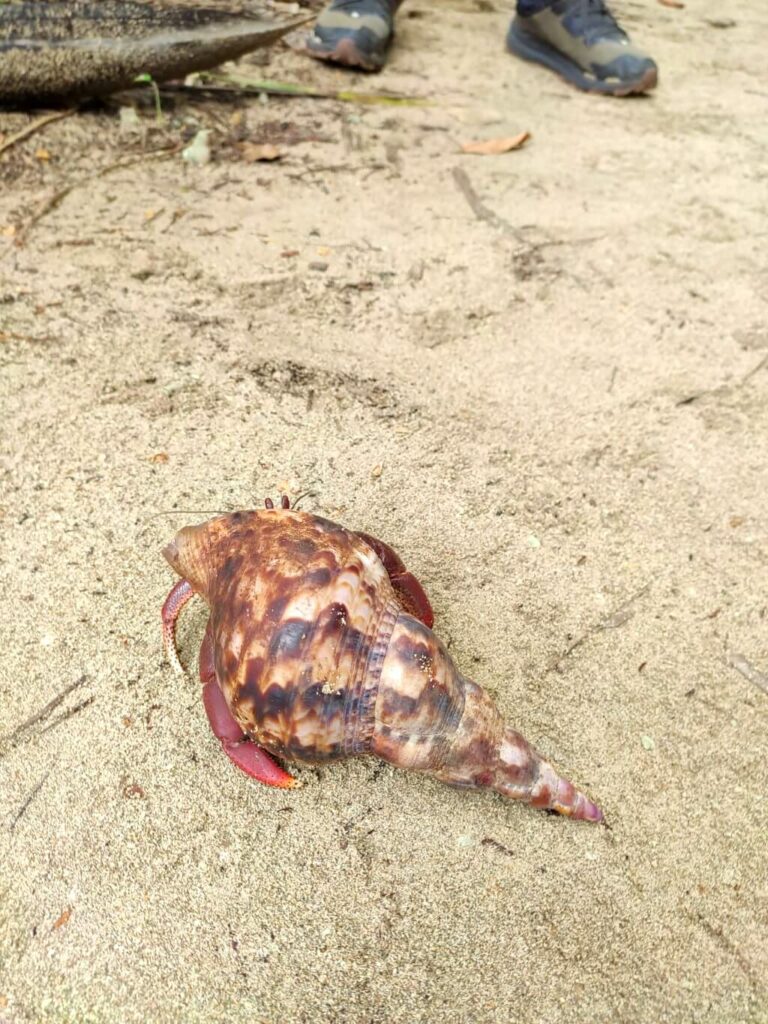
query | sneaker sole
[534, 50]
[347, 54]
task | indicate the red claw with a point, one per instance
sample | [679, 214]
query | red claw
[410, 592]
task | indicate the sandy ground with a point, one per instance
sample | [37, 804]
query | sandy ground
[557, 412]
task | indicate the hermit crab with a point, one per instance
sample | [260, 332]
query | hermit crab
[319, 646]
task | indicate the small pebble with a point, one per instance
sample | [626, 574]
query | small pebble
[648, 743]
[129, 119]
[198, 152]
[318, 265]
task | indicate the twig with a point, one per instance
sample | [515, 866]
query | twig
[478, 207]
[22, 810]
[755, 369]
[68, 714]
[613, 620]
[748, 670]
[35, 126]
[715, 932]
[53, 201]
[18, 734]
[725, 388]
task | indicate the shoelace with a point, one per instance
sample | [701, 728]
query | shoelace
[595, 21]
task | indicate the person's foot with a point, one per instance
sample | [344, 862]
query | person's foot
[353, 32]
[582, 42]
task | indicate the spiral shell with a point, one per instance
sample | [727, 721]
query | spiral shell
[302, 611]
[312, 653]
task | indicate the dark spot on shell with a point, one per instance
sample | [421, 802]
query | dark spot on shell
[277, 607]
[253, 673]
[326, 526]
[419, 631]
[408, 650]
[338, 612]
[224, 662]
[398, 706]
[230, 568]
[437, 698]
[276, 700]
[302, 549]
[317, 578]
[480, 752]
[356, 643]
[290, 639]
[317, 698]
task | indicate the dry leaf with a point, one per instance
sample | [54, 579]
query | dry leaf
[253, 153]
[494, 147]
[159, 457]
[42, 154]
[62, 919]
[377, 471]
[671, 3]
[8, 231]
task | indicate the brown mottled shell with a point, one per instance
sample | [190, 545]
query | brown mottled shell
[302, 611]
[318, 659]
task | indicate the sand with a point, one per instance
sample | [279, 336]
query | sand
[559, 417]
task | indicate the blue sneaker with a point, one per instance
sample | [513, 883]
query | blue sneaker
[582, 42]
[356, 33]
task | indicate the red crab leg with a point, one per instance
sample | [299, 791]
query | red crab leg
[180, 594]
[410, 592]
[238, 747]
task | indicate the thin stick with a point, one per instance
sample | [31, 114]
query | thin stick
[22, 810]
[478, 207]
[53, 201]
[748, 670]
[755, 369]
[45, 712]
[35, 126]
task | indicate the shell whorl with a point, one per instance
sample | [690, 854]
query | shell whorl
[301, 615]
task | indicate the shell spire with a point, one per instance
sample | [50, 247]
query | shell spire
[432, 719]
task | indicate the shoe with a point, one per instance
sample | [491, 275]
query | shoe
[356, 33]
[581, 41]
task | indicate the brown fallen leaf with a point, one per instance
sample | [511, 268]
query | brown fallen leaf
[62, 919]
[494, 147]
[671, 3]
[159, 457]
[253, 153]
